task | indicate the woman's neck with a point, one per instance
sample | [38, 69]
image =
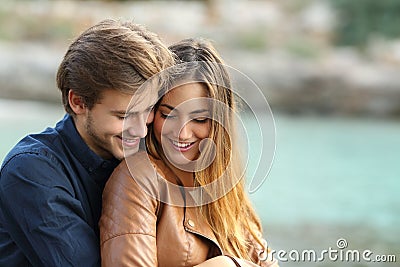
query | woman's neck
[186, 178]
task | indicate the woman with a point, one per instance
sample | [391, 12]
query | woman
[183, 203]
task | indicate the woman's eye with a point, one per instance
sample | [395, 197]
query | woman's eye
[201, 120]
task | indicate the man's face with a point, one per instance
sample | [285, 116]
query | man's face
[115, 124]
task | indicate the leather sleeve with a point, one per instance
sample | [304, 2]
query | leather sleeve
[128, 221]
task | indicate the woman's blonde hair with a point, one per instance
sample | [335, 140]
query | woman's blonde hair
[231, 216]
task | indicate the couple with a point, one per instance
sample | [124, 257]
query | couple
[179, 202]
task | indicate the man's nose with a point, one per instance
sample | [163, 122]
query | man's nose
[137, 126]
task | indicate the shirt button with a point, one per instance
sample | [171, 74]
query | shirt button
[190, 223]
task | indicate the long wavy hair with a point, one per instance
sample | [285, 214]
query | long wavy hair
[230, 216]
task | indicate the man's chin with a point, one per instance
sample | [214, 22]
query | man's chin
[119, 156]
[129, 152]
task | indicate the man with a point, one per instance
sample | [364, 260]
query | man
[51, 183]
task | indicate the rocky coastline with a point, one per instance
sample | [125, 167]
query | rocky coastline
[295, 76]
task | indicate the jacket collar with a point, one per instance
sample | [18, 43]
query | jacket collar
[89, 159]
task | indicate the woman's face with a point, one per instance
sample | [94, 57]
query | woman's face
[182, 121]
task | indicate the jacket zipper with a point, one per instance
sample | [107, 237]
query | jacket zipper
[206, 237]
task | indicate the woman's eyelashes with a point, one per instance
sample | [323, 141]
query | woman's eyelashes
[201, 119]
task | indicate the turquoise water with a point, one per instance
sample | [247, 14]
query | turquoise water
[18, 118]
[329, 166]
[331, 178]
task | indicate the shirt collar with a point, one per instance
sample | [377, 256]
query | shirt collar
[89, 159]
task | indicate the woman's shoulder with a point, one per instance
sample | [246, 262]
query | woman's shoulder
[144, 175]
[136, 173]
[130, 198]
[140, 163]
[143, 164]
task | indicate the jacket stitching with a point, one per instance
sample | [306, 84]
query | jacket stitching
[129, 233]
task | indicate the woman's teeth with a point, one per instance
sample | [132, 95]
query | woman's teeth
[181, 145]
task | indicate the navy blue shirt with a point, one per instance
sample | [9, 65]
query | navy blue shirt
[50, 200]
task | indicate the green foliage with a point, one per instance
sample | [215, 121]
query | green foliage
[251, 40]
[16, 26]
[302, 48]
[358, 19]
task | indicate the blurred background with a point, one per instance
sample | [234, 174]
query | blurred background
[330, 70]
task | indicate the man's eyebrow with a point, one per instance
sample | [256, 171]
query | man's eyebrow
[192, 112]
[129, 112]
[118, 111]
[167, 106]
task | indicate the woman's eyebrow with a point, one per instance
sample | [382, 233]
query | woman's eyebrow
[192, 112]
[199, 111]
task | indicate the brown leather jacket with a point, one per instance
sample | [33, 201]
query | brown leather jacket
[136, 229]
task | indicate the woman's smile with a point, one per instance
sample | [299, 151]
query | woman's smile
[182, 146]
[182, 121]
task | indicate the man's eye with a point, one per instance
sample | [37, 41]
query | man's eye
[166, 116]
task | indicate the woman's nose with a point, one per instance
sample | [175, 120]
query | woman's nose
[185, 131]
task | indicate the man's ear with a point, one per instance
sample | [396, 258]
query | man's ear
[76, 103]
